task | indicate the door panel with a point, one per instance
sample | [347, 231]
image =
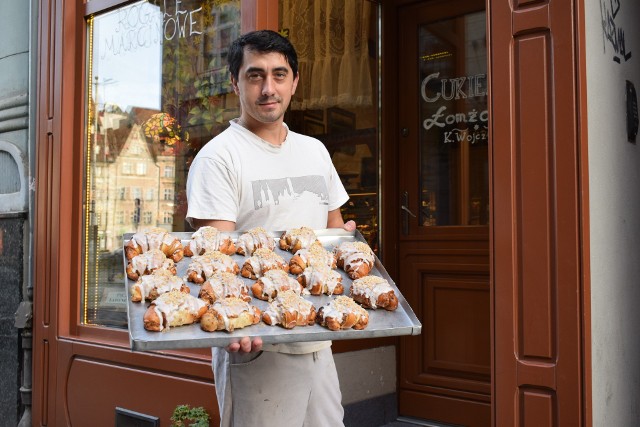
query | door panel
[536, 215]
[443, 244]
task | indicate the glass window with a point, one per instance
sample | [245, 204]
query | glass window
[454, 163]
[159, 90]
[336, 97]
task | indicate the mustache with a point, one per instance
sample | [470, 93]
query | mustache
[268, 99]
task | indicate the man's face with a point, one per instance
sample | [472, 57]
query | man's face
[265, 86]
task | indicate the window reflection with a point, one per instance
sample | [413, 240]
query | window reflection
[158, 92]
[454, 187]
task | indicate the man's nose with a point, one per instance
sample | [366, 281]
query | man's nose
[268, 87]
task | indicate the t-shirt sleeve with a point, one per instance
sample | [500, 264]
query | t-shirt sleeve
[212, 191]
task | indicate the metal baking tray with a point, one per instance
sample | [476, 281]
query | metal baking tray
[382, 323]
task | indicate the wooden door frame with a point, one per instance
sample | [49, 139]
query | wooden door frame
[572, 400]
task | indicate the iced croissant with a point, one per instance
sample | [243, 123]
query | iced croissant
[151, 286]
[289, 310]
[355, 258]
[148, 262]
[154, 238]
[374, 292]
[172, 309]
[202, 267]
[314, 254]
[229, 314]
[254, 239]
[342, 313]
[209, 238]
[297, 238]
[223, 284]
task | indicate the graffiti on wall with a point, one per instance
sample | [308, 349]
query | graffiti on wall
[613, 33]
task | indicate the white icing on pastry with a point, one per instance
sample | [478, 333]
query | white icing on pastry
[152, 238]
[371, 287]
[264, 259]
[277, 281]
[161, 280]
[341, 306]
[316, 254]
[354, 254]
[323, 276]
[303, 235]
[174, 305]
[225, 284]
[207, 238]
[231, 307]
[151, 260]
[255, 238]
[210, 262]
[288, 302]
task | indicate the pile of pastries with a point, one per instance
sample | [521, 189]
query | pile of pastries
[224, 301]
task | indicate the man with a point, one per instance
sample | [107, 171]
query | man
[259, 173]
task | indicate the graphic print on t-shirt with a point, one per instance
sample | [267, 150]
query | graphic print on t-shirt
[268, 192]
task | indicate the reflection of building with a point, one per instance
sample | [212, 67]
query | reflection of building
[134, 182]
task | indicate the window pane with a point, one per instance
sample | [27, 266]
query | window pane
[454, 134]
[336, 97]
[158, 92]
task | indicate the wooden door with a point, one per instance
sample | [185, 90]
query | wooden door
[443, 236]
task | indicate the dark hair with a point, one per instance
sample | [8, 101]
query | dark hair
[263, 41]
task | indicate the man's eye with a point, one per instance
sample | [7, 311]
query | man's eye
[281, 76]
[254, 76]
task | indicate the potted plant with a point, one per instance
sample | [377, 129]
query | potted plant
[186, 416]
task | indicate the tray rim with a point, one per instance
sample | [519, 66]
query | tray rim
[282, 336]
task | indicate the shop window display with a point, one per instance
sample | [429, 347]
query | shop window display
[158, 89]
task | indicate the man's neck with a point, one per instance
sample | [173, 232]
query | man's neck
[273, 133]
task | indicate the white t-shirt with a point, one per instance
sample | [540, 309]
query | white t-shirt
[239, 177]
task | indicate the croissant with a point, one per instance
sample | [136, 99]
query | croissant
[203, 266]
[343, 313]
[261, 261]
[223, 284]
[289, 310]
[154, 238]
[254, 239]
[272, 283]
[355, 258]
[172, 309]
[229, 314]
[320, 279]
[374, 292]
[209, 238]
[297, 238]
[151, 286]
[148, 262]
[314, 254]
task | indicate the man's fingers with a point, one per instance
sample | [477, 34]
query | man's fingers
[245, 345]
[350, 225]
[256, 345]
[233, 347]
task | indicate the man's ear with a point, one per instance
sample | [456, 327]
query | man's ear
[295, 83]
[234, 84]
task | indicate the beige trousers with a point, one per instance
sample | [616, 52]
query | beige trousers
[277, 389]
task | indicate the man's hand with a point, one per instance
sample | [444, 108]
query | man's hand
[245, 345]
[350, 225]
